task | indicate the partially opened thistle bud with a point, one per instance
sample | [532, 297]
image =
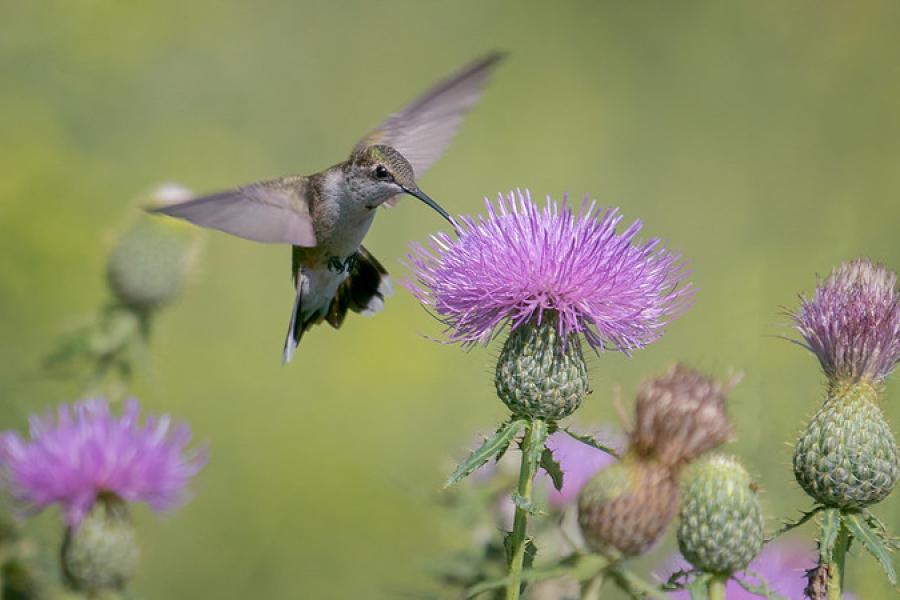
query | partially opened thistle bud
[101, 552]
[147, 267]
[680, 415]
[627, 506]
[721, 523]
[847, 456]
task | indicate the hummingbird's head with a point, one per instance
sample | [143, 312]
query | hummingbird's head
[378, 173]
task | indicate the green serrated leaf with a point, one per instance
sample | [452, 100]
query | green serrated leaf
[761, 588]
[586, 439]
[828, 533]
[496, 444]
[576, 566]
[678, 580]
[530, 550]
[527, 505]
[788, 525]
[551, 466]
[872, 542]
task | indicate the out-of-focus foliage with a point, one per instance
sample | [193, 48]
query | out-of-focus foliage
[761, 139]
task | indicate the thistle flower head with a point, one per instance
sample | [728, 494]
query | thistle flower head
[852, 322]
[84, 452]
[521, 263]
[680, 415]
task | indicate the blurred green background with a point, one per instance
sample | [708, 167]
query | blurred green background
[761, 139]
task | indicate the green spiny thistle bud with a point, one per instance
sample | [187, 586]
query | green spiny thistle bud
[148, 264]
[627, 506]
[538, 375]
[101, 552]
[847, 456]
[721, 522]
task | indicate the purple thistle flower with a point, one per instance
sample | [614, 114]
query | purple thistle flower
[520, 262]
[578, 462]
[86, 451]
[852, 323]
[782, 564]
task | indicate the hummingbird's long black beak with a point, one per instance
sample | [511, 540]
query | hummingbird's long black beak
[427, 200]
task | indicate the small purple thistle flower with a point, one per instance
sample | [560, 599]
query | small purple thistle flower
[578, 462]
[852, 322]
[520, 262]
[85, 451]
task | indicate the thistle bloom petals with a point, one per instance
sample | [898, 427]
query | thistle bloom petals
[852, 322]
[520, 262]
[85, 451]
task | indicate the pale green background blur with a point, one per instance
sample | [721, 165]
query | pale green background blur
[762, 139]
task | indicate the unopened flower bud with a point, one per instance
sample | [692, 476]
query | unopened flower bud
[847, 456]
[721, 523]
[540, 376]
[101, 553]
[147, 266]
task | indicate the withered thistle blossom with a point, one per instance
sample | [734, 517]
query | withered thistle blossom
[852, 322]
[627, 506]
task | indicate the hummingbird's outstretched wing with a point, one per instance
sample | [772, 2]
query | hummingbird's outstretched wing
[423, 129]
[274, 212]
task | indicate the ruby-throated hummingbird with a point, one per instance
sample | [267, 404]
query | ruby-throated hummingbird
[325, 216]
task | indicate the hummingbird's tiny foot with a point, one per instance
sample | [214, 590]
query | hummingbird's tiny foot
[336, 265]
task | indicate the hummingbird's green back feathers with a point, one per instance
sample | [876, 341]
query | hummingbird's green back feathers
[273, 212]
[423, 129]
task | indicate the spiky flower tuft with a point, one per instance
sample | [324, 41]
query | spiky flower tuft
[85, 452]
[852, 322]
[520, 264]
[680, 415]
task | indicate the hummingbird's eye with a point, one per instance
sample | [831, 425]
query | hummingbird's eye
[381, 172]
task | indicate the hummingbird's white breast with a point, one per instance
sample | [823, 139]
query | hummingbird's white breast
[342, 218]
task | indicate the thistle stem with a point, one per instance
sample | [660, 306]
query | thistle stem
[836, 566]
[715, 588]
[591, 589]
[535, 433]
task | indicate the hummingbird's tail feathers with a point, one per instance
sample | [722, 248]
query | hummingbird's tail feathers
[301, 320]
[363, 291]
[274, 212]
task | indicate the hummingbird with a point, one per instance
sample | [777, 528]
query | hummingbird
[325, 216]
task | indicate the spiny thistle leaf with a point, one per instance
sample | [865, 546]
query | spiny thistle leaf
[872, 542]
[789, 525]
[828, 533]
[679, 579]
[527, 505]
[492, 446]
[580, 567]
[586, 439]
[549, 464]
[761, 588]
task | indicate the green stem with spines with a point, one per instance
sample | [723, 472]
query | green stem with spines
[591, 589]
[535, 433]
[836, 566]
[715, 587]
